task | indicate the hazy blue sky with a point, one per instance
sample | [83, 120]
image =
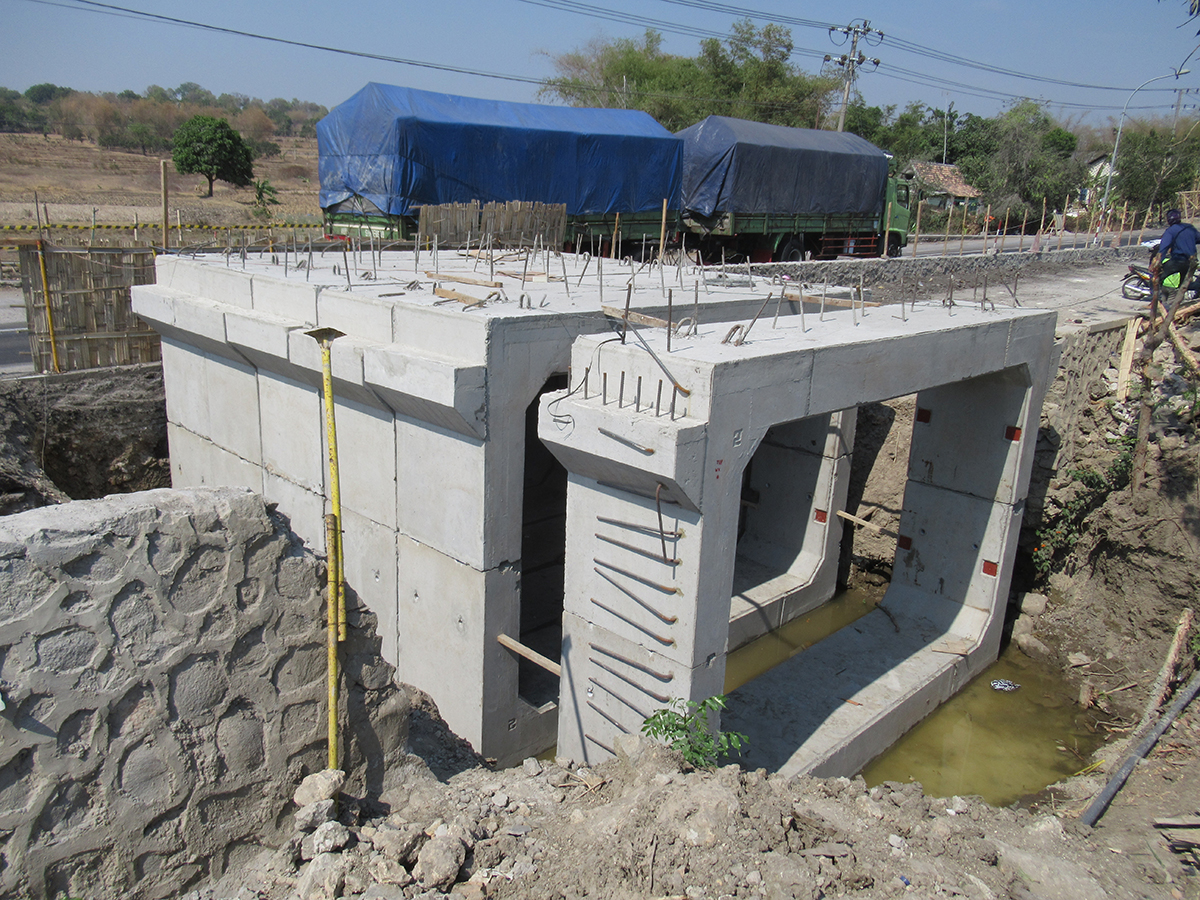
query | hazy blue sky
[1111, 43]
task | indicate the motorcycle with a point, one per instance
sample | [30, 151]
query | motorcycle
[1137, 284]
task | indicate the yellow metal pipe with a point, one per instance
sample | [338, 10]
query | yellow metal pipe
[331, 633]
[336, 588]
[326, 337]
[49, 312]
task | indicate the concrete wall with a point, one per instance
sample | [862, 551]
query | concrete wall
[164, 682]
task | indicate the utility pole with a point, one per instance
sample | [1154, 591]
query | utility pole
[850, 62]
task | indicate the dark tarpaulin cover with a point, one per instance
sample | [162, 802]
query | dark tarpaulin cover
[731, 165]
[401, 148]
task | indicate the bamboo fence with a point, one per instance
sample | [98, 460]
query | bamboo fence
[93, 320]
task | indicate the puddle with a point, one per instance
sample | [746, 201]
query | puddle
[763, 653]
[1001, 746]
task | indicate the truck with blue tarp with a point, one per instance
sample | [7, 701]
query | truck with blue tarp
[768, 192]
[726, 187]
[387, 151]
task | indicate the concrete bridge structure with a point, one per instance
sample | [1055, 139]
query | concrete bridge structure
[517, 477]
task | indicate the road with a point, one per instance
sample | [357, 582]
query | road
[15, 358]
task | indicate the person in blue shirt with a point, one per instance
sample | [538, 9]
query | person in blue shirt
[1177, 249]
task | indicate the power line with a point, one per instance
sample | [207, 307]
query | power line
[855, 59]
[563, 5]
[901, 43]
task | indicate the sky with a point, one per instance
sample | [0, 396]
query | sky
[1085, 57]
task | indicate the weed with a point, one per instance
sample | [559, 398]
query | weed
[683, 725]
[1061, 533]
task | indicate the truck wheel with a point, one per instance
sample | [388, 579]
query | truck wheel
[793, 251]
[893, 245]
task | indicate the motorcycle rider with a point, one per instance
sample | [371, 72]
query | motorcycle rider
[1177, 249]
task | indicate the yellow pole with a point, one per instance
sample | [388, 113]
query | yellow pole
[331, 634]
[333, 535]
[887, 226]
[49, 311]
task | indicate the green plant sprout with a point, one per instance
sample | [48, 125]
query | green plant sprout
[683, 726]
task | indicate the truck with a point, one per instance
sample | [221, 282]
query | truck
[771, 193]
[728, 188]
[388, 151]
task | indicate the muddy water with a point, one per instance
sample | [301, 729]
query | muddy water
[1001, 746]
[748, 662]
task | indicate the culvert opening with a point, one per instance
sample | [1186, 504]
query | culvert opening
[543, 556]
[782, 516]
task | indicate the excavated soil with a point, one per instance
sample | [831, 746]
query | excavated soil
[81, 435]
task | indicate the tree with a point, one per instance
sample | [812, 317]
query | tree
[747, 75]
[1154, 165]
[210, 147]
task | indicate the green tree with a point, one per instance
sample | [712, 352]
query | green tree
[210, 147]
[1154, 165]
[747, 75]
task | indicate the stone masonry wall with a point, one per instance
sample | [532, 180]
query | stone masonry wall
[163, 673]
[1003, 266]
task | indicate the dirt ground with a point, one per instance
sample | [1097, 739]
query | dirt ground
[72, 179]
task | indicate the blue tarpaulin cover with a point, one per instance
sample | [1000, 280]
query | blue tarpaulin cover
[731, 165]
[401, 148]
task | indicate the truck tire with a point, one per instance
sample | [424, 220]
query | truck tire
[893, 245]
[793, 251]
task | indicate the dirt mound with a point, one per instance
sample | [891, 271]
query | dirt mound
[644, 825]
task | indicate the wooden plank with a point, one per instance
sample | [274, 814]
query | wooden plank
[636, 317]
[530, 654]
[865, 524]
[465, 299]
[462, 279]
[957, 648]
[815, 300]
[1126, 366]
[1183, 822]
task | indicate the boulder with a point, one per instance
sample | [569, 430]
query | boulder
[439, 861]
[323, 785]
[323, 878]
[308, 818]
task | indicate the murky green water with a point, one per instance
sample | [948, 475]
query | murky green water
[748, 662]
[1001, 746]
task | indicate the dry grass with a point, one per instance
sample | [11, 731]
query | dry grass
[72, 179]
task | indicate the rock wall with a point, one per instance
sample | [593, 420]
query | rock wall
[886, 271]
[164, 680]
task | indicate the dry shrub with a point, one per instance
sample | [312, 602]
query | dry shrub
[295, 170]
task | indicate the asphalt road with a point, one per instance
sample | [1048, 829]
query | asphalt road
[15, 358]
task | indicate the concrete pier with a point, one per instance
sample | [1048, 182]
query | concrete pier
[512, 468]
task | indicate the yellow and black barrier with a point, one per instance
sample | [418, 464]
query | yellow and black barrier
[152, 226]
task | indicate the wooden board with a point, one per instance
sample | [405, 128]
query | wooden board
[636, 318]
[462, 279]
[465, 299]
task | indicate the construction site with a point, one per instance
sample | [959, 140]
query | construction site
[360, 563]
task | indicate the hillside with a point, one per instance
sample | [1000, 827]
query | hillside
[72, 178]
